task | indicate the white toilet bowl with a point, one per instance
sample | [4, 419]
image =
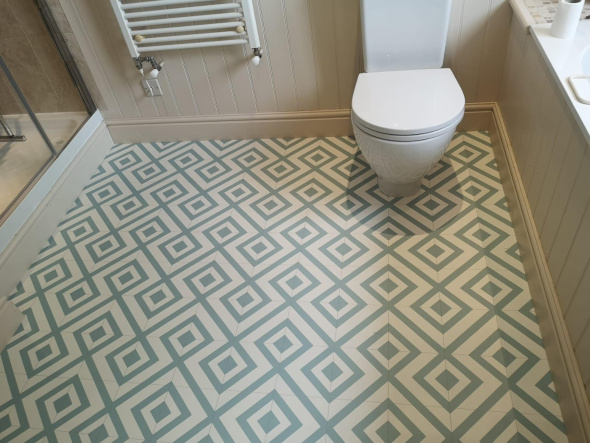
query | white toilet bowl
[403, 122]
[401, 165]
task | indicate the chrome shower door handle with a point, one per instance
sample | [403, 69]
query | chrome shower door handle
[9, 137]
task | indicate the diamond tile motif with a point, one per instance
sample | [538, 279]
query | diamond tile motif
[266, 290]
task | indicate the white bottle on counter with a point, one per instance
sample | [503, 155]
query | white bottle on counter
[567, 18]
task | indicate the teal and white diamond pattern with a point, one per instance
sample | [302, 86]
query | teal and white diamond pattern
[267, 291]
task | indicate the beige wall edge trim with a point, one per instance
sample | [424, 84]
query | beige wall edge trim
[271, 116]
[254, 126]
[560, 353]
[232, 127]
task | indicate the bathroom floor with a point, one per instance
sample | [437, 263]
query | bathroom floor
[267, 291]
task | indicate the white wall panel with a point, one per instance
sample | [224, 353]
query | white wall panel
[312, 60]
[553, 158]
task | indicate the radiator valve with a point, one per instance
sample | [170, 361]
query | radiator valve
[156, 66]
[257, 56]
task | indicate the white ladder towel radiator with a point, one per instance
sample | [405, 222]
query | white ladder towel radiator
[163, 25]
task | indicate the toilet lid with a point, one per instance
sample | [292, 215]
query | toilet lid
[407, 102]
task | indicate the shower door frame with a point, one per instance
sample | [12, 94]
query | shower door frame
[28, 108]
[78, 80]
[51, 150]
[66, 55]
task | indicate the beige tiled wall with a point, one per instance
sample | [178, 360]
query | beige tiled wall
[34, 61]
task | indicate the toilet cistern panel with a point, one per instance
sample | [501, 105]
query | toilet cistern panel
[404, 34]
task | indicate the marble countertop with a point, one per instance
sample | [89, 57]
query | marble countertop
[535, 12]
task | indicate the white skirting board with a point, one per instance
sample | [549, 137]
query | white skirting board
[250, 126]
[560, 353]
[27, 229]
[233, 127]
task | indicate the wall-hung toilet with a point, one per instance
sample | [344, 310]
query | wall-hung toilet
[405, 107]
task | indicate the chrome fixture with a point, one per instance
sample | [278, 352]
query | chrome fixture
[156, 66]
[9, 137]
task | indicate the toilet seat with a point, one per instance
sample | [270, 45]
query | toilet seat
[407, 138]
[407, 105]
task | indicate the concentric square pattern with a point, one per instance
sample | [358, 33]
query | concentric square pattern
[267, 291]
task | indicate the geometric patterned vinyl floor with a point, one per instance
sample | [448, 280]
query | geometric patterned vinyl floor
[267, 291]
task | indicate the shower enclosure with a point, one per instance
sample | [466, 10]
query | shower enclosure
[43, 100]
